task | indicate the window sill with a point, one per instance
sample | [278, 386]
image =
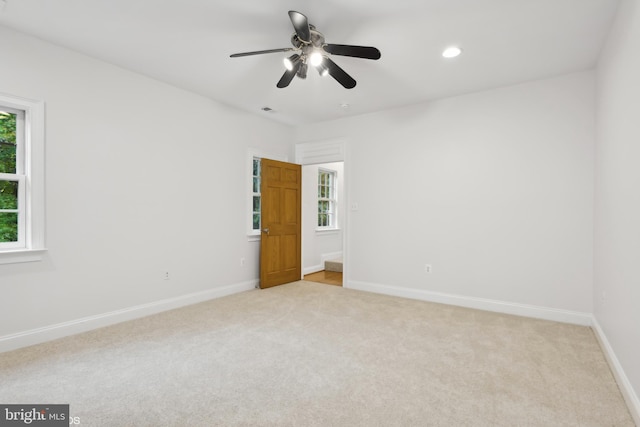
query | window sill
[327, 231]
[21, 255]
[253, 237]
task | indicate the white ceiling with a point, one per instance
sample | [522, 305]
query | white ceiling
[187, 43]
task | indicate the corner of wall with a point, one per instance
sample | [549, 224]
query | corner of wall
[629, 394]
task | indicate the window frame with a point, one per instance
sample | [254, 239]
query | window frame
[256, 194]
[30, 174]
[332, 212]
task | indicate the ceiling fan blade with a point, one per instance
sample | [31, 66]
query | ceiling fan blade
[260, 52]
[339, 74]
[365, 52]
[288, 76]
[301, 25]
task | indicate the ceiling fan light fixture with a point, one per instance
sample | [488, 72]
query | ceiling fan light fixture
[302, 71]
[451, 52]
[322, 70]
[316, 58]
[291, 61]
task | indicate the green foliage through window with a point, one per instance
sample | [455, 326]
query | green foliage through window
[7, 142]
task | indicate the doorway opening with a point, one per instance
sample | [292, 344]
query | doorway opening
[317, 153]
[323, 222]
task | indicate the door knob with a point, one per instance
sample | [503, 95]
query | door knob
[265, 230]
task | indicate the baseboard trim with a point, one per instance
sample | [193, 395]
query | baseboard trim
[52, 332]
[313, 269]
[629, 394]
[564, 316]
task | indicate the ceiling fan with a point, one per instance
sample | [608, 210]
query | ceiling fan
[311, 50]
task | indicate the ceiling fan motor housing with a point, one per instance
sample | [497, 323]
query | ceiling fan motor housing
[315, 43]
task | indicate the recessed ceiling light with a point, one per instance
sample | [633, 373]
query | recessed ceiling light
[451, 52]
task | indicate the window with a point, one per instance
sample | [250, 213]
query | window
[253, 197]
[12, 179]
[327, 200]
[21, 179]
[255, 213]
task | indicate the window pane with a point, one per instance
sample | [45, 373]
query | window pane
[255, 187]
[7, 142]
[8, 227]
[8, 195]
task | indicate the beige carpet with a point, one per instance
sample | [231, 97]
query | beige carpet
[308, 354]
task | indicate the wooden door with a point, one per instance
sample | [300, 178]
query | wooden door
[281, 242]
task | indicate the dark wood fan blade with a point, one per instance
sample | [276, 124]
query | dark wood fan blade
[288, 76]
[365, 52]
[301, 25]
[260, 52]
[339, 74]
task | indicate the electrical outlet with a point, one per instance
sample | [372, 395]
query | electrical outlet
[427, 268]
[166, 275]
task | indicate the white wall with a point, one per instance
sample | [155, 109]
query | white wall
[617, 237]
[142, 178]
[318, 245]
[493, 189]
